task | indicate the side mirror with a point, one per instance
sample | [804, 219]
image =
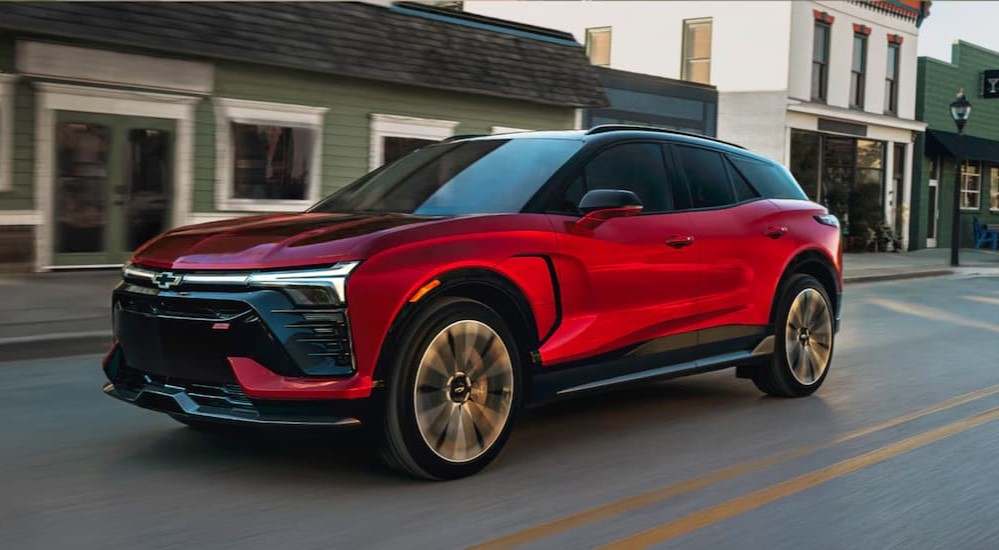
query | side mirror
[603, 204]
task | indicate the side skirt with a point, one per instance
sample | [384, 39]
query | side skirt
[750, 348]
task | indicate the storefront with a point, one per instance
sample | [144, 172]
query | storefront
[861, 172]
[104, 145]
[938, 83]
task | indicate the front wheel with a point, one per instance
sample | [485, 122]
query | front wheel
[804, 341]
[453, 391]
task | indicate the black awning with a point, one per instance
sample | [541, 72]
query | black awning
[975, 148]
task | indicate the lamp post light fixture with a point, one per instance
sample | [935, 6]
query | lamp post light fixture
[960, 110]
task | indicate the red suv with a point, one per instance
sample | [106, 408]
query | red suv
[434, 297]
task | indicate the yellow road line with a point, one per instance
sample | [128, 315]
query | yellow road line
[740, 505]
[983, 299]
[931, 313]
[665, 493]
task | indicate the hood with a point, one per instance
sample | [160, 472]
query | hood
[270, 241]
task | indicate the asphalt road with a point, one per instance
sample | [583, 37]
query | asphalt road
[897, 450]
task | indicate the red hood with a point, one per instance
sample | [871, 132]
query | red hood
[270, 241]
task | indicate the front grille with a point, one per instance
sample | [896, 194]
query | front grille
[318, 336]
[182, 308]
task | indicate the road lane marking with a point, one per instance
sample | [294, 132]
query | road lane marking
[743, 504]
[983, 299]
[931, 313]
[622, 506]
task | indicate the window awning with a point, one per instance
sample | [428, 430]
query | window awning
[975, 148]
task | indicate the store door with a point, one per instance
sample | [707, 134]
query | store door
[933, 216]
[113, 186]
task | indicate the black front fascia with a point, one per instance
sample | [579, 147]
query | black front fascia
[188, 335]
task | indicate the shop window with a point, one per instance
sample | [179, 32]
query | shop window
[820, 61]
[271, 162]
[805, 157]
[598, 46]
[994, 188]
[971, 186]
[696, 51]
[268, 155]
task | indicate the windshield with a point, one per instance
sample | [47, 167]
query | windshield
[490, 176]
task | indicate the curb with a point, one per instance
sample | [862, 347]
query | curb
[54, 345]
[899, 276]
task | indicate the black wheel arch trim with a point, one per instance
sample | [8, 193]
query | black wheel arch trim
[817, 264]
[452, 284]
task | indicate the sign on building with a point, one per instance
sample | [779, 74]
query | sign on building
[990, 83]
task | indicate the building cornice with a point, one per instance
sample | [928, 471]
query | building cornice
[858, 117]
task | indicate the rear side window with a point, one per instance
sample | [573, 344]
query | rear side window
[707, 177]
[770, 180]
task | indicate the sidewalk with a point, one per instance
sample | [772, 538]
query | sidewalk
[69, 312]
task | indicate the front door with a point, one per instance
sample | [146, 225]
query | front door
[626, 281]
[113, 186]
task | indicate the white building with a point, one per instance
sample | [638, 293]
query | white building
[827, 87]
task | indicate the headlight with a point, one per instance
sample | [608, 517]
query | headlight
[312, 287]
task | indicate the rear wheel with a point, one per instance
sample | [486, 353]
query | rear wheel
[804, 341]
[453, 392]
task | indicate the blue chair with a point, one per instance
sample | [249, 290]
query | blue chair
[985, 235]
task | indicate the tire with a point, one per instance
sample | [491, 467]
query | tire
[804, 339]
[447, 418]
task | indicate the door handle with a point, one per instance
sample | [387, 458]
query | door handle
[680, 241]
[775, 232]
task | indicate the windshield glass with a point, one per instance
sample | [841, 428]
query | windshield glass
[490, 176]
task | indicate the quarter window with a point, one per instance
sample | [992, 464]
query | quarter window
[707, 177]
[770, 180]
[635, 167]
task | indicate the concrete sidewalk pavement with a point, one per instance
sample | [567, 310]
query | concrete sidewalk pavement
[47, 314]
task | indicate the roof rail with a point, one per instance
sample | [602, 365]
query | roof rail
[604, 128]
[449, 139]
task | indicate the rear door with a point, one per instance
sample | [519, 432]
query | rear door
[627, 281]
[737, 233]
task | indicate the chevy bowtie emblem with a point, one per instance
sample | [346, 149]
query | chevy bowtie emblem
[167, 280]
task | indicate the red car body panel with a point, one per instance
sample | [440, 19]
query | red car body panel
[619, 281]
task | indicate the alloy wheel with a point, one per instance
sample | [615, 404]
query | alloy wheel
[464, 391]
[808, 336]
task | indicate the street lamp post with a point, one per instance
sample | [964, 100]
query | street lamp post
[960, 110]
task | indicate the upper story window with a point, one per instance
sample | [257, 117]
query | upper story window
[696, 50]
[598, 46]
[820, 61]
[891, 79]
[858, 70]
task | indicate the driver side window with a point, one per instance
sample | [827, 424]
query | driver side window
[635, 167]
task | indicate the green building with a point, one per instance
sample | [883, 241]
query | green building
[118, 121]
[975, 70]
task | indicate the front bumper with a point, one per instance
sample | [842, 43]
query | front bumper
[223, 402]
